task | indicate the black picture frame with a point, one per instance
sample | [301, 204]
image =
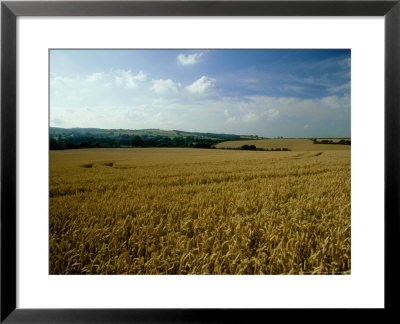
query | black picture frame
[10, 10]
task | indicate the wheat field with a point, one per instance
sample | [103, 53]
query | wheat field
[199, 211]
[293, 144]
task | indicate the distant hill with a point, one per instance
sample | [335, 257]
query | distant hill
[73, 138]
[147, 131]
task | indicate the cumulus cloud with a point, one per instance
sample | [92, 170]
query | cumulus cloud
[164, 86]
[261, 115]
[315, 109]
[272, 114]
[250, 117]
[345, 87]
[56, 78]
[189, 59]
[231, 120]
[332, 102]
[168, 104]
[95, 77]
[202, 86]
[128, 79]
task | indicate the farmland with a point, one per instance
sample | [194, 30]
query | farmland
[201, 211]
[291, 144]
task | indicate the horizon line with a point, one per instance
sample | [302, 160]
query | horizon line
[204, 132]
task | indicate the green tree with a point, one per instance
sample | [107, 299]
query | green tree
[136, 141]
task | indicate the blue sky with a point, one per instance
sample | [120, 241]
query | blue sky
[290, 93]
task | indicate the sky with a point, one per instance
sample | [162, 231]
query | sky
[269, 93]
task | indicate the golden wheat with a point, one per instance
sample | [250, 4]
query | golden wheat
[195, 211]
[292, 144]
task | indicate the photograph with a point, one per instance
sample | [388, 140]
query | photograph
[199, 161]
[251, 145]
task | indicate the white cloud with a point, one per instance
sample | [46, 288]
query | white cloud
[119, 81]
[128, 79]
[345, 86]
[203, 85]
[231, 120]
[95, 77]
[164, 86]
[332, 102]
[325, 108]
[74, 97]
[272, 114]
[189, 59]
[165, 103]
[250, 117]
[261, 115]
[55, 78]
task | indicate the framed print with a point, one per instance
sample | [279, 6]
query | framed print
[197, 161]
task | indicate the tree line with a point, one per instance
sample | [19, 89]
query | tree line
[328, 141]
[255, 148]
[77, 141]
